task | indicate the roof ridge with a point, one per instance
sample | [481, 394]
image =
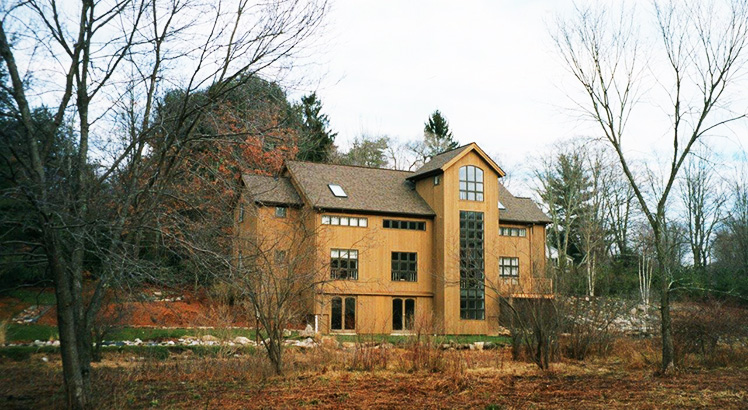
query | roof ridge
[350, 166]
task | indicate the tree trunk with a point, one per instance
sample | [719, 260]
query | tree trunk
[75, 385]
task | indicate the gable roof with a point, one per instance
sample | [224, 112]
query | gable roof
[439, 163]
[369, 189]
[519, 209]
[271, 190]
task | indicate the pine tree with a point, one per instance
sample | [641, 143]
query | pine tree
[437, 136]
[316, 142]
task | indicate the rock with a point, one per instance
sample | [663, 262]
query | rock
[307, 332]
[242, 340]
[137, 342]
[209, 338]
[287, 333]
[45, 359]
[306, 343]
[348, 345]
[478, 345]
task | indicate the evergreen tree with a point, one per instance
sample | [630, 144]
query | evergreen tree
[437, 136]
[316, 142]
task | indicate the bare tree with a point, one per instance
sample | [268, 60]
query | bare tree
[702, 199]
[276, 273]
[84, 63]
[703, 47]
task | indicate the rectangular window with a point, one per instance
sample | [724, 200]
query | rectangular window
[280, 211]
[403, 314]
[344, 264]
[398, 224]
[472, 279]
[437, 179]
[509, 267]
[344, 221]
[241, 213]
[513, 231]
[404, 266]
[343, 313]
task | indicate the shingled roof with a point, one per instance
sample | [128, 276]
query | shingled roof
[369, 189]
[518, 209]
[437, 162]
[271, 190]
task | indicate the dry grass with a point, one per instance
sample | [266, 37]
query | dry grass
[3, 332]
[372, 376]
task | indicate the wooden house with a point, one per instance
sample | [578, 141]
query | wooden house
[395, 251]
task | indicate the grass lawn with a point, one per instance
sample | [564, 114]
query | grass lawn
[31, 332]
[403, 339]
[34, 296]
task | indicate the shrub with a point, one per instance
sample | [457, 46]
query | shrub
[700, 328]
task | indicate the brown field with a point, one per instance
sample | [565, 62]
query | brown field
[388, 378]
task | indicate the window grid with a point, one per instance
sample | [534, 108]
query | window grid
[281, 211]
[345, 221]
[472, 281]
[471, 183]
[522, 232]
[344, 264]
[405, 266]
[399, 224]
[509, 267]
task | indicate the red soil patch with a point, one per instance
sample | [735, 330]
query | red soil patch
[192, 310]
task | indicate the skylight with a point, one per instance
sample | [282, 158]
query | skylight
[501, 206]
[337, 190]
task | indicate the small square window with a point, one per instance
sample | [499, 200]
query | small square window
[344, 220]
[335, 220]
[280, 211]
[354, 221]
[325, 220]
[363, 222]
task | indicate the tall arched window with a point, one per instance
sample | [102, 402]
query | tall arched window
[471, 183]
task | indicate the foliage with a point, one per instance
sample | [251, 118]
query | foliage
[437, 135]
[367, 151]
[316, 140]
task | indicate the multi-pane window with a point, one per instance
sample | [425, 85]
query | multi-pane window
[343, 313]
[509, 267]
[471, 183]
[403, 314]
[472, 282]
[344, 264]
[399, 224]
[404, 266]
[280, 211]
[513, 231]
[344, 221]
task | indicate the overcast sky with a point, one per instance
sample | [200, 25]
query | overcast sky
[488, 66]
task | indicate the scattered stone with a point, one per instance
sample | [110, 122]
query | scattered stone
[45, 359]
[287, 333]
[242, 340]
[477, 346]
[307, 332]
[209, 338]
